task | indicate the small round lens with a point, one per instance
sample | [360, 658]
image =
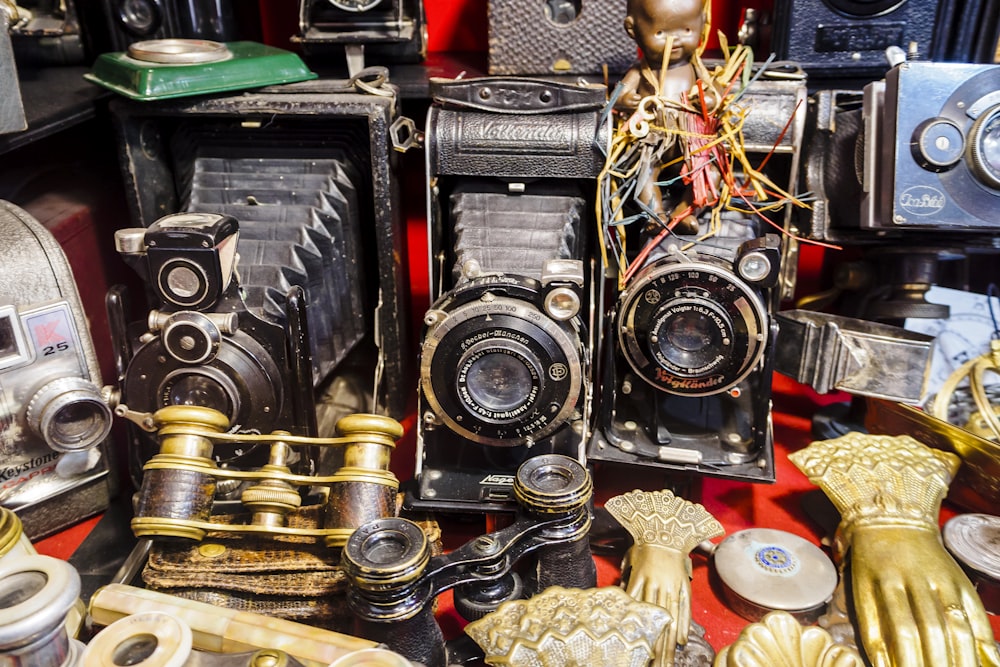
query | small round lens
[754, 267]
[499, 381]
[21, 586]
[562, 304]
[386, 547]
[140, 17]
[69, 415]
[198, 389]
[183, 282]
[984, 148]
[135, 650]
[78, 422]
[690, 339]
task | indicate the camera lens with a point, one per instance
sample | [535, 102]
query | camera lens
[76, 421]
[984, 148]
[689, 339]
[693, 329]
[69, 415]
[203, 386]
[500, 379]
[241, 381]
[140, 17]
[182, 282]
[496, 369]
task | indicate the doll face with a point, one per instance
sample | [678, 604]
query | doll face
[651, 22]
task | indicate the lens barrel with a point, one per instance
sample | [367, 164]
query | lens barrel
[692, 328]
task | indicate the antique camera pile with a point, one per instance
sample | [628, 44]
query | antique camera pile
[606, 273]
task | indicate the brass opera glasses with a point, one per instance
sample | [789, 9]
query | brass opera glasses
[179, 483]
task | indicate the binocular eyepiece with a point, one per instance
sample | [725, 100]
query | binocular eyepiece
[394, 579]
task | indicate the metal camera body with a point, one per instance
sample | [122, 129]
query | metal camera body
[848, 38]
[390, 30]
[688, 347]
[54, 425]
[308, 171]
[505, 370]
[671, 402]
[201, 344]
[905, 159]
[930, 160]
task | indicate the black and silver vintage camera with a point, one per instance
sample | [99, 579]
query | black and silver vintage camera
[688, 360]
[202, 344]
[932, 159]
[907, 170]
[387, 30]
[505, 368]
[848, 38]
[54, 425]
[308, 173]
[687, 349]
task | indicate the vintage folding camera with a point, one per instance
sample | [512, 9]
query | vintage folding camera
[139, 20]
[505, 368]
[307, 171]
[688, 347]
[848, 38]
[385, 30]
[688, 361]
[203, 345]
[54, 425]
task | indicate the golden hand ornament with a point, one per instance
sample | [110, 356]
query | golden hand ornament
[915, 606]
[657, 568]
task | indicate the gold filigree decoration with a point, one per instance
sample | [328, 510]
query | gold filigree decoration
[564, 627]
[778, 639]
[663, 519]
[879, 476]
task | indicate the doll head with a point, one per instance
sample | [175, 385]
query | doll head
[651, 22]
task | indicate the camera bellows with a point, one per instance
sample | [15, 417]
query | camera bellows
[298, 227]
[514, 234]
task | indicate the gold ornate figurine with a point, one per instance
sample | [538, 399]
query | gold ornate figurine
[779, 639]
[915, 606]
[568, 627]
[657, 567]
